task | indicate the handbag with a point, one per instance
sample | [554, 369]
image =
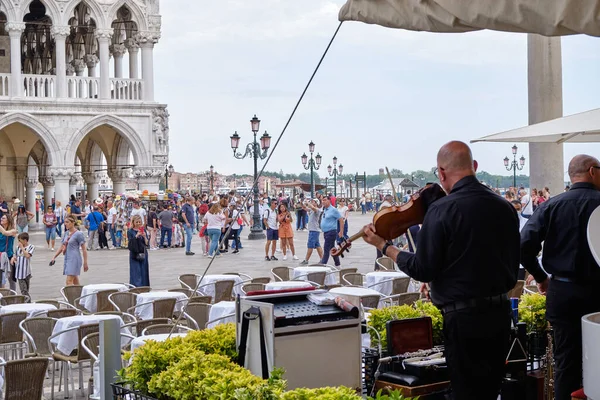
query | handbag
[202, 232]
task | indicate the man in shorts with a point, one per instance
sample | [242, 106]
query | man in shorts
[314, 230]
[270, 221]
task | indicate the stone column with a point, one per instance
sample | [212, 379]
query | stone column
[91, 61]
[15, 30]
[73, 186]
[119, 179]
[20, 183]
[104, 36]
[61, 177]
[147, 41]
[31, 185]
[91, 180]
[148, 178]
[117, 51]
[48, 183]
[544, 78]
[60, 34]
[133, 48]
[79, 67]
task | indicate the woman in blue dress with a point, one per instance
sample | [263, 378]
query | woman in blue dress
[73, 240]
[139, 274]
[7, 244]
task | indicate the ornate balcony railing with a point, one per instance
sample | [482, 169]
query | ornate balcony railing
[126, 89]
[4, 85]
[83, 87]
[39, 86]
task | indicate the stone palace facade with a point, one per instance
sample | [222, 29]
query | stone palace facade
[77, 97]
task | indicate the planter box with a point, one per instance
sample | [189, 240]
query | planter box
[122, 393]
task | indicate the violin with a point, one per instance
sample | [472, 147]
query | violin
[393, 222]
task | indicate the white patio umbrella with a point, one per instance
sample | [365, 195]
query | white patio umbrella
[577, 128]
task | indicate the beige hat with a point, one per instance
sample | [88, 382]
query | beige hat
[16, 201]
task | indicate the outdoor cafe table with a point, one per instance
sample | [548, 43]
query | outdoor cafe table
[159, 337]
[32, 309]
[301, 272]
[353, 294]
[219, 310]
[89, 302]
[209, 290]
[147, 312]
[282, 285]
[382, 281]
[68, 341]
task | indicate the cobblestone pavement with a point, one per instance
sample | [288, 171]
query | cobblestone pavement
[109, 266]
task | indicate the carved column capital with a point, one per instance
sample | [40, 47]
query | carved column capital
[60, 31]
[118, 50]
[132, 45]
[14, 29]
[31, 183]
[91, 60]
[78, 65]
[104, 34]
[74, 180]
[147, 38]
[119, 175]
[47, 180]
[148, 172]
[92, 177]
[60, 173]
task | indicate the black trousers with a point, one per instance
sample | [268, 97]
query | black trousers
[566, 303]
[476, 344]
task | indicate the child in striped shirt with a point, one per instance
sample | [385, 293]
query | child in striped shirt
[22, 263]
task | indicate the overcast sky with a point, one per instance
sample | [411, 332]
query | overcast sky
[382, 97]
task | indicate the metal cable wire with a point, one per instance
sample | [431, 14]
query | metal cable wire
[245, 199]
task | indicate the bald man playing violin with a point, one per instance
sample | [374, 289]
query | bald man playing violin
[469, 253]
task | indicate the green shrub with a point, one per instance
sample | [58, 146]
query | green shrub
[379, 318]
[393, 395]
[326, 393]
[532, 311]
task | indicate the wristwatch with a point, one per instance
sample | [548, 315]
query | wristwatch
[385, 247]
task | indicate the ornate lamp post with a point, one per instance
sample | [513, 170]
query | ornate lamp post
[168, 173]
[334, 172]
[211, 178]
[312, 164]
[254, 150]
[514, 165]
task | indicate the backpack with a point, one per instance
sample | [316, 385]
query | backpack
[203, 208]
[180, 216]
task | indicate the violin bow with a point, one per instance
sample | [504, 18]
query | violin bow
[387, 171]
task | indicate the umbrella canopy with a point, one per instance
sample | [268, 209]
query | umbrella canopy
[577, 128]
[544, 17]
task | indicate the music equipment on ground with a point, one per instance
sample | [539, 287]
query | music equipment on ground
[317, 345]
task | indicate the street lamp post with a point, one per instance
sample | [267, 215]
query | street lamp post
[514, 165]
[168, 173]
[211, 178]
[333, 171]
[312, 164]
[254, 150]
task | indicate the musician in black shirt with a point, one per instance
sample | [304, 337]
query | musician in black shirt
[561, 223]
[469, 252]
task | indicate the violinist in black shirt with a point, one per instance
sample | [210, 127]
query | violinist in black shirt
[469, 252]
[561, 223]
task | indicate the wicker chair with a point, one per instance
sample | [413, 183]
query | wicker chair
[143, 324]
[126, 317]
[70, 293]
[214, 321]
[343, 272]
[62, 313]
[252, 287]
[187, 292]
[371, 301]
[163, 308]
[399, 285]
[122, 301]
[165, 328]
[317, 277]
[140, 289]
[25, 378]
[188, 281]
[401, 299]
[261, 279]
[78, 358]
[353, 279]
[102, 302]
[14, 299]
[7, 292]
[37, 331]
[386, 263]
[517, 291]
[200, 299]
[197, 315]
[531, 289]
[332, 286]
[54, 303]
[11, 336]
[281, 273]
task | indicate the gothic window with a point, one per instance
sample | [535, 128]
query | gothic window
[3, 24]
[37, 44]
[123, 27]
[82, 43]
